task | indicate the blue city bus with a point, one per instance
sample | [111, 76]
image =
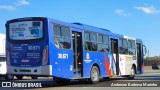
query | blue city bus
[40, 46]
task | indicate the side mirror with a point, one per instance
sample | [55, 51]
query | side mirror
[144, 50]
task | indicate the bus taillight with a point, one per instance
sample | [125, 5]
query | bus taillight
[45, 56]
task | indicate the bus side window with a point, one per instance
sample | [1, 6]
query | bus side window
[100, 41]
[131, 47]
[86, 46]
[56, 30]
[90, 41]
[123, 46]
[94, 46]
[106, 42]
[103, 41]
[57, 44]
[86, 41]
[66, 42]
[62, 37]
[65, 32]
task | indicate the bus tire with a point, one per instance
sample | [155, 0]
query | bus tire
[19, 77]
[34, 77]
[9, 77]
[132, 75]
[94, 75]
[61, 80]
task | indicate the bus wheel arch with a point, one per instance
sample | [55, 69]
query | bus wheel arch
[133, 72]
[95, 64]
[94, 73]
[135, 68]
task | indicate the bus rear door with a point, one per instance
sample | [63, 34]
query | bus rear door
[115, 57]
[77, 54]
[141, 51]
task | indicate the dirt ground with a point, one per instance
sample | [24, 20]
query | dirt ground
[147, 67]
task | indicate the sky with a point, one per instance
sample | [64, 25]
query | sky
[135, 18]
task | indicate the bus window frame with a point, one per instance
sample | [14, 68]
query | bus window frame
[123, 46]
[103, 42]
[131, 47]
[87, 31]
[61, 37]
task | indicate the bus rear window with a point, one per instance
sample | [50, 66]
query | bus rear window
[26, 30]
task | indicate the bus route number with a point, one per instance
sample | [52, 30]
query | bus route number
[34, 48]
[62, 56]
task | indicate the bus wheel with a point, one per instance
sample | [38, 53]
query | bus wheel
[132, 75]
[61, 81]
[94, 78]
[9, 77]
[34, 77]
[19, 77]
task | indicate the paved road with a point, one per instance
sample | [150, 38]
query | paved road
[149, 78]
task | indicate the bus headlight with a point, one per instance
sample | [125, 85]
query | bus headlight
[45, 56]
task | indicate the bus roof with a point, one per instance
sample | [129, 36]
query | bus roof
[82, 26]
[91, 28]
[78, 25]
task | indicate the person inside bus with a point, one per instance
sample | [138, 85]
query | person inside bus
[86, 46]
[58, 43]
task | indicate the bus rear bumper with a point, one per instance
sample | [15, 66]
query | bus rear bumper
[28, 71]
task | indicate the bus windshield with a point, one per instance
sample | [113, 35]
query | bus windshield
[26, 30]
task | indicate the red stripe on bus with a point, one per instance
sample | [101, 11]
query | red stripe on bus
[107, 65]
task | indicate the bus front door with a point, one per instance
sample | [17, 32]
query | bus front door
[139, 58]
[77, 54]
[115, 57]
